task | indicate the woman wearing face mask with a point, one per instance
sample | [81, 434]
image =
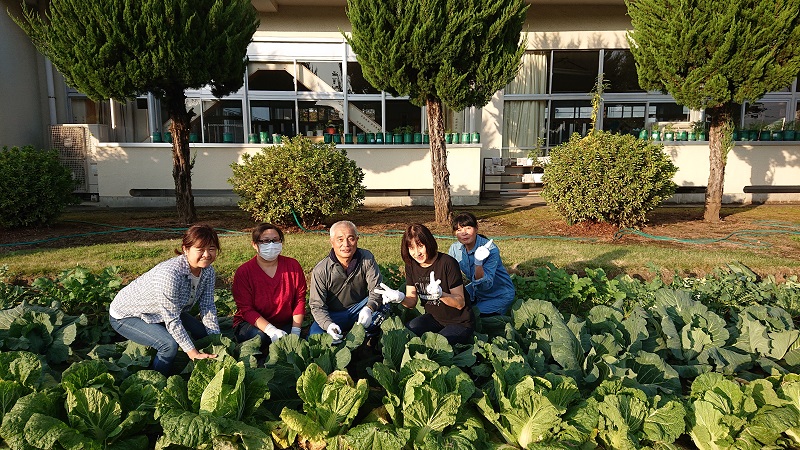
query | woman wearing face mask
[269, 290]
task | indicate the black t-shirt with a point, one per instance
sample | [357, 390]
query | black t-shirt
[444, 268]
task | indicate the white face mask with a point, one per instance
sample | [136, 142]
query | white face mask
[270, 251]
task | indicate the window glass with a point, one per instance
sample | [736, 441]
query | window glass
[624, 118]
[532, 75]
[365, 117]
[673, 113]
[568, 117]
[222, 120]
[193, 106]
[761, 115]
[89, 111]
[316, 116]
[271, 76]
[523, 123]
[356, 83]
[401, 113]
[575, 71]
[272, 117]
[319, 76]
[619, 71]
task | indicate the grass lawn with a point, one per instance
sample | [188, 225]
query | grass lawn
[766, 238]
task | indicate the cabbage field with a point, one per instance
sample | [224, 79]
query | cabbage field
[579, 362]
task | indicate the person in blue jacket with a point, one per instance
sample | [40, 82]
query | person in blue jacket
[489, 286]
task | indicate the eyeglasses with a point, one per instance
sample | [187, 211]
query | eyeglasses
[269, 241]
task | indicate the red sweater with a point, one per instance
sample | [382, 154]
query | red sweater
[276, 298]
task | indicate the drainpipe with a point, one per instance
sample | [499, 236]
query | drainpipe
[51, 91]
[152, 113]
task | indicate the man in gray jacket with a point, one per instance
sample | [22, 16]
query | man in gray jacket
[343, 285]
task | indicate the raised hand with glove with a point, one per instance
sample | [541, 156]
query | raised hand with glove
[274, 332]
[434, 288]
[482, 252]
[390, 295]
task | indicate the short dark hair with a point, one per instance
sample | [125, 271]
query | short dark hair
[465, 219]
[200, 235]
[262, 227]
[421, 235]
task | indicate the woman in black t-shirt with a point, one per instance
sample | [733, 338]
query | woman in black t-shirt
[435, 279]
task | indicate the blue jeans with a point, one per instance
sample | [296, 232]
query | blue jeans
[156, 335]
[345, 318]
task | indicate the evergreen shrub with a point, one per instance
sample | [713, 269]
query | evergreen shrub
[607, 177]
[313, 180]
[34, 187]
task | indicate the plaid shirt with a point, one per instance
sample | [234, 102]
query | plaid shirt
[164, 292]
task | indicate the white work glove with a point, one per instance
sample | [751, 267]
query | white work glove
[296, 331]
[365, 316]
[482, 252]
[335, 332]
[434, 287]
[390, 295]
[274, 332]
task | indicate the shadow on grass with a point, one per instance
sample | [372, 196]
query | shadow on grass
[603, 261]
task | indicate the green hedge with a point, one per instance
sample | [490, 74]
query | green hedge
[606, 177]
[34, 187]
[300, 177]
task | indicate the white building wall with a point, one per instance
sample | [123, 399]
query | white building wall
[24, 116]
[123, 168]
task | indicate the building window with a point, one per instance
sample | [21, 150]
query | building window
[356, 83]
[763, 115]
[272, 117]
[659, 113]
[568, 117]
[401, 114]
[84, 110]
[222, 121]
[319, 76]
[524, 117]
[277, 76]
[619, 71]
[575, 71]
[624, 118]
[364, 116]
[315, 116]
[524, 122]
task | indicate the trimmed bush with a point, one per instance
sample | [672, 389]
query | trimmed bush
[34, 187]
[607, 177]
[313, 180]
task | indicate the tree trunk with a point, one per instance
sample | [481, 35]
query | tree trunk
[181, 158]
[719, 145]
[441, 176]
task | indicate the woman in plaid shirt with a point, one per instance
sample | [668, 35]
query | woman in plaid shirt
[154, 309]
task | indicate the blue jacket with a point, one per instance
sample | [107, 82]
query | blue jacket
[494, 293]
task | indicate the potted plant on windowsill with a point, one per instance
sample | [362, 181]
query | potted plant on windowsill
[406, 133]
[669, 132]
[776, 130]
[790, 130]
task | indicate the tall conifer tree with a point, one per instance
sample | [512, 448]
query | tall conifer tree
[452, 52]
[711, 55]
[122, 48]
